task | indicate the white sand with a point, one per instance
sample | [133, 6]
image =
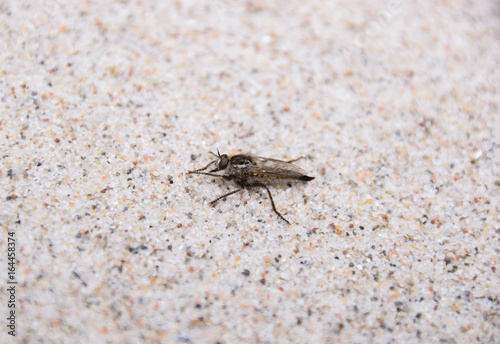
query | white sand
[104, 105]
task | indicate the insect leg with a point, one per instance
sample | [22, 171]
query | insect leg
[295, 159]
[270, 197]
[225, 195]
[212, 174]
[202, 169]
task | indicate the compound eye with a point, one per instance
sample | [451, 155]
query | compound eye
[223, 162]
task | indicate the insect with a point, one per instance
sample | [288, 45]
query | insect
[249, 171]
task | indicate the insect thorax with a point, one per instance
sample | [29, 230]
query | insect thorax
[238, 167]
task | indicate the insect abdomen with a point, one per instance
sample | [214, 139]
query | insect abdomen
[283, 176]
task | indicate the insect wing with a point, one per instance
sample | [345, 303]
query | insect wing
[274, 168]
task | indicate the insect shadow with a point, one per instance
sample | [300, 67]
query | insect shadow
[250, 171]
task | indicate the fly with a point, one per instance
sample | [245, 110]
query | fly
[249, 171]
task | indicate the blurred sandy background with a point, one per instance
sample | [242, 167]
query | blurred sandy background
[394, 105]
